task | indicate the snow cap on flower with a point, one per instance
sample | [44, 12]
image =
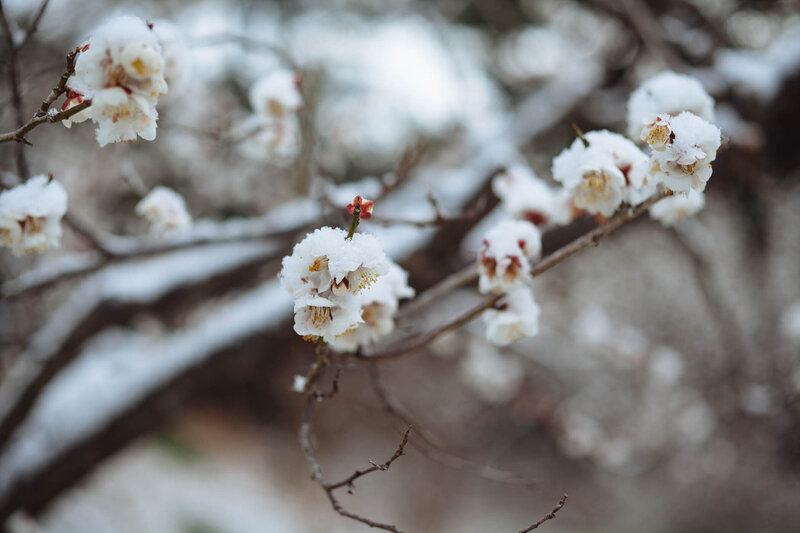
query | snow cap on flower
[327, 261]
[683, 149]
[276, 94]
[30, 215]
[517, 316]
[379, 306]
[165, 209]
[525, 196]
[675, 208]
[121, 69]
[600, 175]
[505, 260]
[668, 93]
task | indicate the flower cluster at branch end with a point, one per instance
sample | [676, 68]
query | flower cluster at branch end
[326, 273]
[121, 69]
[603, 174]
[30, 215]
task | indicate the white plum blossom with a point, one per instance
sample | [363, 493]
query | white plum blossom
[30, 215]
[603, 174]
[121, 69]
[670, 93]
[495, 378]
[675, 208]
[516, 316]
[165, 209]
[505, 260]
[379, 305]
[525, 196]
[683, 149]
[274, 129]
[325, 274]
[276, 94]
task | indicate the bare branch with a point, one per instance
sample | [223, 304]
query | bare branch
[548, 516]
[330, 488]
[18, 135]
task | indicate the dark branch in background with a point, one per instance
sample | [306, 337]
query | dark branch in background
[548, 516]
[34, 24]
[646, 26]
[471, 272]
[16, 94]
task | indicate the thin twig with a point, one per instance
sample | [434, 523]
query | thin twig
[590, 238]
[18, 135]
[548, 516]
[330, 488]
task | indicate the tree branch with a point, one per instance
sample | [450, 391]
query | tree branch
[549, 516]
[469, 273]
[330, 488]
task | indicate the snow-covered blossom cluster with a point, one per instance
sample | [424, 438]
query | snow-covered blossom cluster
[273, 129]
[504, 265]
[504, 262]
[30, 215]
[121, 69]
[601, 170]
[165, 209]
[327, 274]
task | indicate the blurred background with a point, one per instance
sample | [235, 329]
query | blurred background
[155, 382]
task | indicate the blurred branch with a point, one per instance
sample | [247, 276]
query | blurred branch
[549, 516]
[591, 238]
[641, 18]
[115, 248]
[16, 94]
[439, 219]
[34, 24]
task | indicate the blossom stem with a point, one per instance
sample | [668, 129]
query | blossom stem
[354, 221]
